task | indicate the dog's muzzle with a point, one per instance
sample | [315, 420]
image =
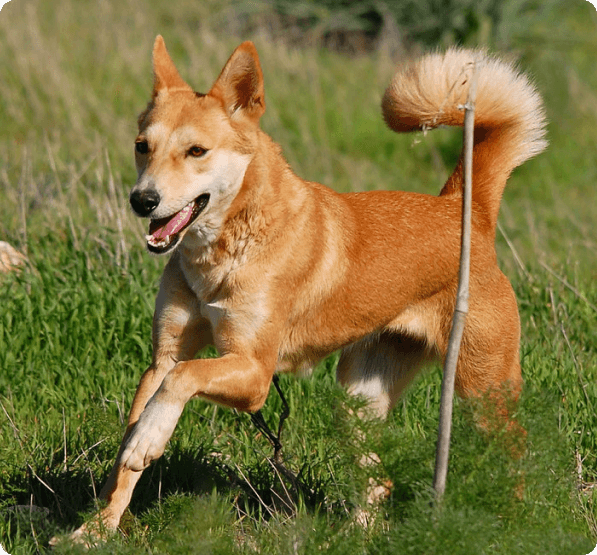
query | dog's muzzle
[144, 202]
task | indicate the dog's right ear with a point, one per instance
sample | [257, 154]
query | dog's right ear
[165, 74]
[240, 85]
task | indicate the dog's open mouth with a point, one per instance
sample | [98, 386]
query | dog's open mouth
[165, 233]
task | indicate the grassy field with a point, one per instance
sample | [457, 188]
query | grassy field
[75, 325]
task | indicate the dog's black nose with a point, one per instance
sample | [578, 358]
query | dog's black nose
[144, 202]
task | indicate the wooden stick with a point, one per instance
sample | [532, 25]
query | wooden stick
[461, 309]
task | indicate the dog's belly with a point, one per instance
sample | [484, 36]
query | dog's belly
[306, 345]
[295, 364]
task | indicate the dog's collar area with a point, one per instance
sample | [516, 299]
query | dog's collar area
[165, 233]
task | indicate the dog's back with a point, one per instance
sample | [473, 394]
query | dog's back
[414, 240]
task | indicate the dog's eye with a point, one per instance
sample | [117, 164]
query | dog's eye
[196, 151]
[142, 147]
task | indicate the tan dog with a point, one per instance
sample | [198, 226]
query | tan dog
[278, 272]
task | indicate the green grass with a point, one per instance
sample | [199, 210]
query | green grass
[72, 360]
[75, 325]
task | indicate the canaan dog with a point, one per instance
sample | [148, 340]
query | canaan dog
[278, 272]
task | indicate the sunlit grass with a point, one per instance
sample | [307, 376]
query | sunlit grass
[75, 325]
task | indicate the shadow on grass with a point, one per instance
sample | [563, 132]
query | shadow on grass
[64, 499]
[195, 491]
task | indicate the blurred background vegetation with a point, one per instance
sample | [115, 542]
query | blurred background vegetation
[358, 26]
[75, 74]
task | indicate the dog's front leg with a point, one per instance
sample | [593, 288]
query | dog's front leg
[147, 439]
[179, 331]
[234, 380]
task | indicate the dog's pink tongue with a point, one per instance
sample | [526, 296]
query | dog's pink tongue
[160, 229]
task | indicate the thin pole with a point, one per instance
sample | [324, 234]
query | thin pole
[461, 308]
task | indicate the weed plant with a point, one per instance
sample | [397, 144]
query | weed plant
[75, 325]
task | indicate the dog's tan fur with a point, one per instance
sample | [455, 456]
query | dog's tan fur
[278, 272]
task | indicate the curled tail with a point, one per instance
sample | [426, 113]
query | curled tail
[509, 116]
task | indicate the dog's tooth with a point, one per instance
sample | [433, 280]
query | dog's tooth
[151, 240]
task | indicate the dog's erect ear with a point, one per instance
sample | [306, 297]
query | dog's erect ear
[240, 85]
[165, 75]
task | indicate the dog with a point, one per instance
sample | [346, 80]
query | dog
[278, 272]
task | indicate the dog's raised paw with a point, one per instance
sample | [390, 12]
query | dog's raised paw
[148, 438]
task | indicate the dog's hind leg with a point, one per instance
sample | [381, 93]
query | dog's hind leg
[380, 367]
[179, 331]
[488, 367]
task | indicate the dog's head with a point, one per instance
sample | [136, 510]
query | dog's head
[192, 149]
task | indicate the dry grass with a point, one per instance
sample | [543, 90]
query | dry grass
[74, 328]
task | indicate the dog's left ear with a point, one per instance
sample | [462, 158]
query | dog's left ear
[165, 74]
[240, 85]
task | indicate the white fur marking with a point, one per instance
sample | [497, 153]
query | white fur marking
[373, 389]
[247, 318]
[213, 312]
[223, 183]
[152, 431]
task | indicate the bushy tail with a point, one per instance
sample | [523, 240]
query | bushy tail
[509, 116]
